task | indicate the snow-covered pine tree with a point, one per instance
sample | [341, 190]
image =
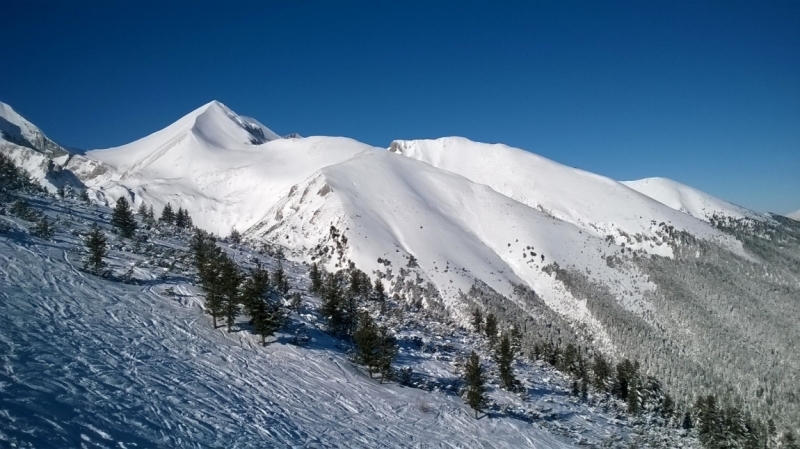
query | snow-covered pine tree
[167, 215]
[476, 389]
[315, 274]
[230, 280]
[601, 372]
[367, 342]
[96, 245]
[332, 299]
[142, 211]
[254, 289]
[380, 291]
[207, 259]
[280, 282]
[235, 236]
[504, 358]
[477, 320]
[122, 218]
[490, 328]
[387, 353]
[43, 228]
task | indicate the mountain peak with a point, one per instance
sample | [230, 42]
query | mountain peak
[17, 130]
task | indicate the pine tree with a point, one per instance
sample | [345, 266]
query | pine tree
[96, 244]
[687, 423]
[208, 260]
[388, 351]
[280, 281]
[708, 429]
[267, 317]
[504, 358]
[151, 216]
[332, 299]
[667, 407]
[477, 320]
[84, 196]
[235, 236]
[316, 279]
[380, 292]
[476, 390]
[43, 228]
[167, 215]
[142, 211]
[60, 191]
[627, 373]
[255, 289]
[122, 218]
[230, 279]
[789, 441]
[490, 328]
[367, 341]
[601, 371]
[584, 389]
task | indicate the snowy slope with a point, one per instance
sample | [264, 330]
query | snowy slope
[17, 130]
[688, 199]
[596, 204]
[794, 215]
[391, 207]
[227, 171]
[90, 362]
[28, 147]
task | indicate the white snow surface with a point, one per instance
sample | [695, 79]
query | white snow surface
[594, 203]
[91, 362]
[391, 207]
[206, 163]
[27, 146]
[794, 215]
[688, 199]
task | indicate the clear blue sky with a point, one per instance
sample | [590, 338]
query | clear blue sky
[706, 93]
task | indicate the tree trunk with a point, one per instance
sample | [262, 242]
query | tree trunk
[214, 318]
[263, 340]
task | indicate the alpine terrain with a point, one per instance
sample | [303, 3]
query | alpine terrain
[216, 284]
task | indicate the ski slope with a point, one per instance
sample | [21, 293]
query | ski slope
[227, 171]
[91, 362]
[688, 199]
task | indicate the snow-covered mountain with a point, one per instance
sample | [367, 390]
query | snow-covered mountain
[226, 170]
[688, 199]
[29, 148]
[633, 269]
[794, 215]
[598, 205]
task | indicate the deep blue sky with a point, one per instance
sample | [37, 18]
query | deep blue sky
[706, 93]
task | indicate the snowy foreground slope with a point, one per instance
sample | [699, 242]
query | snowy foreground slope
[92, 362]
